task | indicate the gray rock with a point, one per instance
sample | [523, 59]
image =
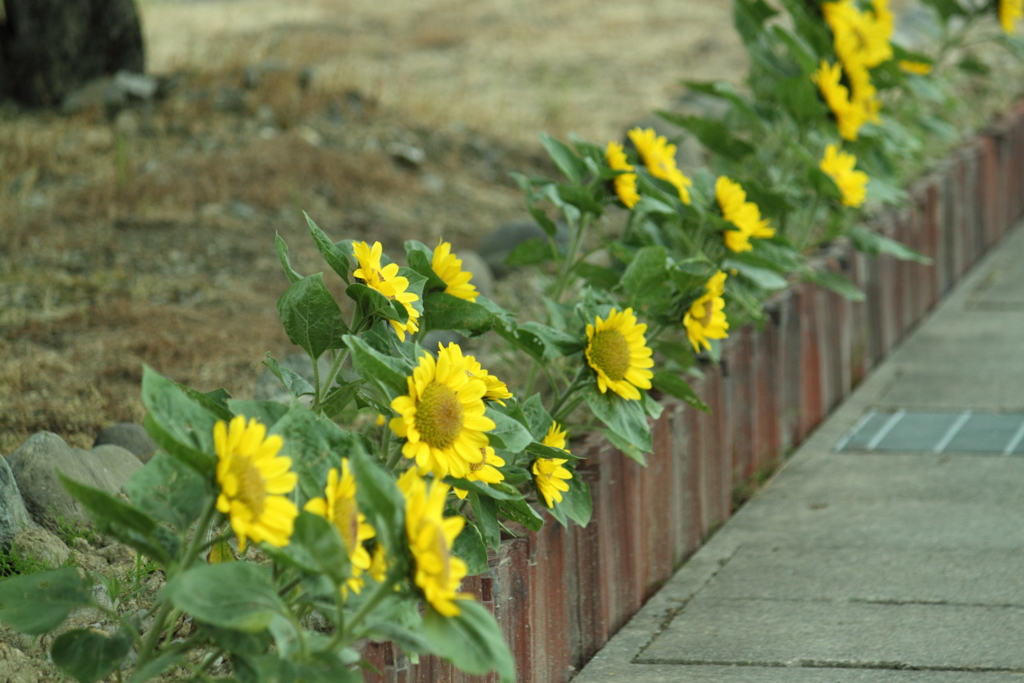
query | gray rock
[136, 85]
[230, 99]
[101, 93]
[13, 515]
[42, 545]
[268, 386]
[36, 463]
[495, 247]
[129, 436]
[483, 278]
[407, 155]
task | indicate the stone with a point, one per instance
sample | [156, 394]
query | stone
[35, 465]
[136, 85]
[100, 93]
[483, 278]
[495, 247]
[129, 436]
[407, 155]
[42, 545]
[17, 667]
[56, 46]
[13, 515]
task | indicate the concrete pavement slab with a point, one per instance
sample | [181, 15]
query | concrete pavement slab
[841, 634]
[655, 673]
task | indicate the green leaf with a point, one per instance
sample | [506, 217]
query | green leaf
[286, 264]
[380, 500]
[485, 511]
[625, 418]
[714, 135]
[483, 489]
[443, 311]
[508, 434]
[767, 280]
[544, 451]
[872, 243]
[168, 490]
[373, 304]
[315, 547]
[799, 96]
[565, 159]
[339, 397]
[472, 641]
[646, 272]
[835, 282]
[520, 511]
[581, 198]
[537, 417]
[692, 274]
[179, 425]
[128, 525]
[530, 252]
[674, 385]
[319, 667]
[311, 316]
[577, 503]
[556, 343]
[295, 383]
[335, 257]
[38, 603]
[469, 546]
[387, 373]
[214, 401]
[156, 667]
[628, 449]
[234, 595]
[524, 340]
[267, 412]
[88, 655]
[420, 258]
[598, 276]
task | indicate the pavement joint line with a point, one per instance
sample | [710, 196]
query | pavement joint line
[852, 431]
[952, 431]
[831, 664]
[1015, 441]
[895, 602]
[886, 428]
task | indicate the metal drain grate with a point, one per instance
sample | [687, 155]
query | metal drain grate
[947, 432]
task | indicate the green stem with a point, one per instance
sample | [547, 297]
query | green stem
[394, 459]
[575, 240]
[578, 382]
[332, 374]
[565, 412]
[383, 589]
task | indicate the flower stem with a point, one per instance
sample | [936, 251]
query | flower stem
[577, 383]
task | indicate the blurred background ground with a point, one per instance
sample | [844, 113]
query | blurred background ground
[146, 235]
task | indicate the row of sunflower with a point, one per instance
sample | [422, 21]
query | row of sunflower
[291, 533]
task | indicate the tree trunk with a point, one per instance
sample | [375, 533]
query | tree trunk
[50, 47]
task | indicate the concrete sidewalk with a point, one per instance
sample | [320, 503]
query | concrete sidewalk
[868, 566]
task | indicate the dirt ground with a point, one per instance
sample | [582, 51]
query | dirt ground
[148, 236]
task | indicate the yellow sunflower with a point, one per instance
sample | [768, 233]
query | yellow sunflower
[442, 416]
[860, 36]
[486, 471]
[742, 214]
[618, 353]
[548, 473]
[1009, 12]
[379, 563]
[625, 184]
[660, 159]
[388, 282]
[839, 166]
[431, 536]
[340, 508]
[254, 482]
[916, 68]
[849, 116]
[449, 268]
[496, 389]
[706, 317]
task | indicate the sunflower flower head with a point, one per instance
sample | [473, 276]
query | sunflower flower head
[1009, 12]
[744, 215]
[849, 117]
[449, 268]
[625, 184]
[916, 68]
[617, 352]
[839, 166]
[254, 482]
[660, 159]
[706, 318]
[442, 417]
[548, 474]
[431, 536]
[339, 507]
[859, 35]
[387, 281]
[496, 389]
[485, 471]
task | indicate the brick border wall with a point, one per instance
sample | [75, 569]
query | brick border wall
[560, 594]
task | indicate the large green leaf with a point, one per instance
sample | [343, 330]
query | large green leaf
[508, 434]
[286, 264]
[871, 242]
[577, 503]
[565, 158]
[87, 655]
[125, 523]
[626, 418]
[296, 384]
[521, 512]
[836, 282]
[556, 343]
[168, 490]
[645, 273]
[315, 445]
[472, 641]
[387, 373]
[420, 258]
[469, 546]
[177, 423]
[380, 500]
[674, 385]
[315, 547]
[311, 316]
[233, 595]
[485, 511]
[38, 603]
[764, 278]
[335, 257]
[714, 135]
[530, 252]
[524, 340]
[443, 311]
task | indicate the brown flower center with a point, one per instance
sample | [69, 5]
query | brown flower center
[346, 518]
[439, 415]
[709, 309]
[252, 491]
[609, 351]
